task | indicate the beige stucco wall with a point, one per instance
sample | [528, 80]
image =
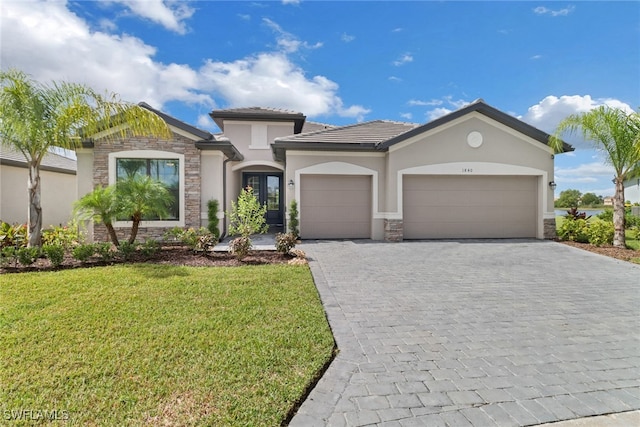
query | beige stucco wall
[211, 171]
[340, 163]
[503, 152]
[58, 192]
[254, 139]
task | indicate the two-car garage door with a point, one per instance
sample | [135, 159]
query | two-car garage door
[437, 207]
[335, 206]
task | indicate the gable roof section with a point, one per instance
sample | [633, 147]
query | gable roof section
[259, 114]
[207, 141]
[51, 162]
[359, 137]
[481, 107]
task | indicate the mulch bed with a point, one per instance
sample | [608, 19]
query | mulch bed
[610, 251]
[170, 255]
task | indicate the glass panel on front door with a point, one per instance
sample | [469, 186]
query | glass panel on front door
[267, 188]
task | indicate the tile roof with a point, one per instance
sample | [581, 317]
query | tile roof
[370, 133]
[50, 162]
[259, 114]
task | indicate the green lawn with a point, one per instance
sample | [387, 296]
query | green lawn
[161, 345]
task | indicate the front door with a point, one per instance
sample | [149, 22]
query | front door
[267, 186]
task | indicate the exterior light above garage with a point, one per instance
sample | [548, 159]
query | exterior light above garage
[553, 185]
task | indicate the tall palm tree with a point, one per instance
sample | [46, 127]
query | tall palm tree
[616, 134]
[36, 117]
[142, 197]
[101, 205]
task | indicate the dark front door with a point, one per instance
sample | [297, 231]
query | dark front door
[267, 186]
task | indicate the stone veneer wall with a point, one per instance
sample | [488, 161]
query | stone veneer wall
[550, 228]
[178, 144]
[393, 230]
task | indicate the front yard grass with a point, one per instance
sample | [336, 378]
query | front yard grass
[161, 345]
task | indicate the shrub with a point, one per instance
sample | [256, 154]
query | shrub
[606, 215]
[298, 253]
[293, 219]
[574, 230]
[600, 233]
[65, 236]
[126, 250]
[200, 240]
[12, 235]
[83, 252]
[27, 256]
[212, 213]
[240, 246]
[150, 247]
[104, 251]
[54, 253]
[174, 234]
[8, 256]
[573, 213]
[285, 242]
[247, 217]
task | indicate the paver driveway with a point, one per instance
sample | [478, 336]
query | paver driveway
[474, 333]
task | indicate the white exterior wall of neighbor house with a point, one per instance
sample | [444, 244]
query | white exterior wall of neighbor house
[632, 190]
[57, 192]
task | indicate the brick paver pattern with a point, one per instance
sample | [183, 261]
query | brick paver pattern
[474, 333]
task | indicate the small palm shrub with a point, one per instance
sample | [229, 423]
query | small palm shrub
[54, 253]
[285, 242]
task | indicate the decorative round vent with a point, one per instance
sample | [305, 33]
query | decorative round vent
[474, 139]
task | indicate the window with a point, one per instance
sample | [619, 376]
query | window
[165, 171]
[164, 166]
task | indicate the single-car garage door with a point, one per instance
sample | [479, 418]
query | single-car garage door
[335, 206]
[440, 207]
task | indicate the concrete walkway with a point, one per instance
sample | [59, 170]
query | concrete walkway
[474, 333]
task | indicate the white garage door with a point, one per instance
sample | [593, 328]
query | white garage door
[440, 207]
[335, 206]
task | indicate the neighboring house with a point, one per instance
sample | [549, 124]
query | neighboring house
[608, 201]
[57, 186]
[474, 173]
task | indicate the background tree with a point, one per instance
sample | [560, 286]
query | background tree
[616, 134]
[36, 117]
[568, 199]
[590, 199]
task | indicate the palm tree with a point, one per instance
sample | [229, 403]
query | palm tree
[35, 117]
[101, 205]
[142, 198]
[616, 134]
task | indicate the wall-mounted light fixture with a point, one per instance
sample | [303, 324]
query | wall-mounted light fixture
[291, 184]
[553, 185]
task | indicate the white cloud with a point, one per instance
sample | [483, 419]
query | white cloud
[551, 110]
[270, 79]
[541, 10]
[535, 57]
[407, 116]
[204, 121]
[290, 1]
[288, 42]
[395, 79]
[171, 14]
[48, 41]
[419, 103]
[347, 38]
[403, 59]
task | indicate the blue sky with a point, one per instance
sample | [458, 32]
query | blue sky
[344, 61]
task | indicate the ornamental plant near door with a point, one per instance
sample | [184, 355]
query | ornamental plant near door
[246, 217]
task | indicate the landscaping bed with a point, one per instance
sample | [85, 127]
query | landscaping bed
[608, 250]
[168, 255]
